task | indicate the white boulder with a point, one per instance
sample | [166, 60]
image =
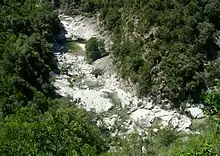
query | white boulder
[79, 27]
[195, 112]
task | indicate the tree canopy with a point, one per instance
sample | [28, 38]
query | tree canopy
[32, 120]
[167, 47]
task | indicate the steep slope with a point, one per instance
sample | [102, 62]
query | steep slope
[105, 93]
[33, 119]
[166, 47]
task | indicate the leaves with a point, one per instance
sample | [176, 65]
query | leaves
[95, 49]
[58, 132]
[173, 61]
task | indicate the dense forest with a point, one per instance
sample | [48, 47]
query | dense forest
[166, 47]
[32, 120]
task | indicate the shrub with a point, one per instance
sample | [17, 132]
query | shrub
[95, 49]
[212, 99]
[168, 142]
[205, 144]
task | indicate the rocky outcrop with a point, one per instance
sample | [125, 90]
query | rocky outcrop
[79, 27]
[161, 118]
[195, 112]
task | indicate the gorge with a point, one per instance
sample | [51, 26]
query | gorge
[109, 78]
[106, 94]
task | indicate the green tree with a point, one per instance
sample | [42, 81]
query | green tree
[60, 131]
[95, 49]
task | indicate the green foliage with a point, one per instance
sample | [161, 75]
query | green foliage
[32, 122]
[212, 99]
[166, 137]
[168, 142]
[74, 47]
[78, 6]
[27, 34]
[207, 143]
[59, 131]
[95, 49]
[164, 46]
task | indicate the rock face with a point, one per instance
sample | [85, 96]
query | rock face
[160, 118]
[79, 27]
[195, 112]
[105, 93]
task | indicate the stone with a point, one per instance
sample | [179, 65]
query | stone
[159, 117]
[174, 122]
[143, 149]
[188, 105]
[149, 105]
[195, 112]
[184, 124]
[184, 106]
[110, 121]
[158, 99]
[79, 27]
[133, 109]
[152, 33]
[166, 106]
[142, 116]
[141, 111]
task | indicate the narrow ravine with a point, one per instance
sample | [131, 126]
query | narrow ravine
[105, 94]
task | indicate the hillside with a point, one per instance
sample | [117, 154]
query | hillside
[166, 47]
[107, 77]
[33, 119]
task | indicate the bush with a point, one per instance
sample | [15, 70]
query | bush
[205, 144]
[168, 142]
[95, 49]
[63, 130]
[172, 60]
[212, 99]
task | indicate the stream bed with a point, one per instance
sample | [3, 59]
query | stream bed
[106, 94]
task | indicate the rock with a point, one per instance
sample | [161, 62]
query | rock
[105, 64]
[188, 105]
[114, 91]
[184, 124]
[195, 112]
[152, 33]
[140, 117]
[143, 149]
[158, 117]
[149, 105]
[184, 106]
[79, 27]
[158, 99]
[133, 109]
[167, 106]
[110, 121]
[93, 99]
[174, 122]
